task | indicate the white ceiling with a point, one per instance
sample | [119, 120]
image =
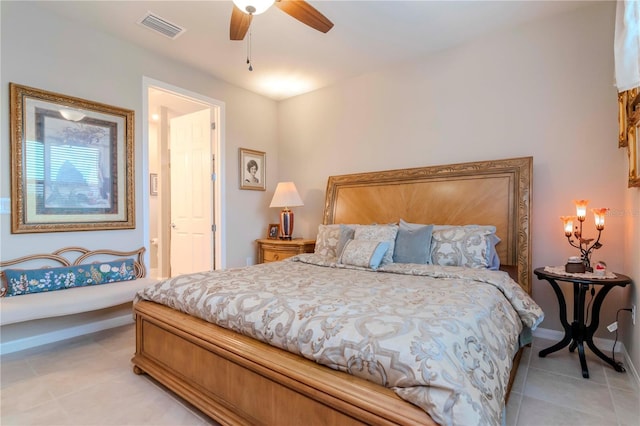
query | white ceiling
[288, 57]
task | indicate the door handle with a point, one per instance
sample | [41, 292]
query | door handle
[173, 225]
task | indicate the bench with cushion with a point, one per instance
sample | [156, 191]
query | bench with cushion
[37, 307]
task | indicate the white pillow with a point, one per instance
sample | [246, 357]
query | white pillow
[331, 239]
[472, 246]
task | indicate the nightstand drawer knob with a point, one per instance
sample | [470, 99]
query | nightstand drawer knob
[276, 256]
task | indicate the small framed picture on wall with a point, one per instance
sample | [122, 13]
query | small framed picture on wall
[253, 166]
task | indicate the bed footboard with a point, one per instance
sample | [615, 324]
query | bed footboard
[236, 380]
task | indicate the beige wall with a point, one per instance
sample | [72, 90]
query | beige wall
[44, 51]
[544, 89]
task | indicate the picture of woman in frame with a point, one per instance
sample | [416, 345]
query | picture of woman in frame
[251, 174]
[252, 169]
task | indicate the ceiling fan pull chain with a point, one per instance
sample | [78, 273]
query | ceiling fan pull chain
[249, 51]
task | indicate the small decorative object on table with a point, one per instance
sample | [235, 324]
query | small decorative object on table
[273, 231]
[574, 265]
[583, 243]
[600, 269]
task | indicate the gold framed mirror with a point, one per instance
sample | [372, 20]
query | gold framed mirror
[629, 132]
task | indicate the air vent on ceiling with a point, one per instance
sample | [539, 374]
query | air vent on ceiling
[161, 25]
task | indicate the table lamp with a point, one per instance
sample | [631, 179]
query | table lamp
[286, 196]
[583, 243]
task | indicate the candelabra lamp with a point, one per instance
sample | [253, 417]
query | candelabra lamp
[585, 245]
[286, 196]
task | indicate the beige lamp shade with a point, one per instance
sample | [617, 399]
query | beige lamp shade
[286, 195]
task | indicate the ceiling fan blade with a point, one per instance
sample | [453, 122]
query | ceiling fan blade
[240, 22]
[305, 13]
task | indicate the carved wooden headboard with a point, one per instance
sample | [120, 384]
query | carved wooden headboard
[483, 193]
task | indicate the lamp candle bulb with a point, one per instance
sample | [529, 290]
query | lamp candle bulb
[599, 215]
[581, 209]
[567, 222]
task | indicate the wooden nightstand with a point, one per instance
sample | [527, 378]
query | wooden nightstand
[274, 250]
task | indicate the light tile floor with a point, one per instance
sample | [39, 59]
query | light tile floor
[551, 391]
[89, 381]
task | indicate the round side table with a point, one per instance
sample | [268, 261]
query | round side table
[577, 333]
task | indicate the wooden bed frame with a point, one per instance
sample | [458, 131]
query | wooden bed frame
[237, 380]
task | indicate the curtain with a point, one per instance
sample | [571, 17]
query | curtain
[627, 45]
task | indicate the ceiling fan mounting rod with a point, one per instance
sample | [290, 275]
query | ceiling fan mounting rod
[253, 7]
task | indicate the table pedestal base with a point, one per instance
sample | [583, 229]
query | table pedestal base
[573, 343]
[578, 333]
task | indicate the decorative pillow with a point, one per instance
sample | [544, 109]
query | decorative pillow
[346, 234]
[331, 239]
[489, 228]
[327, 240]
[470, 245]
[413, 243]
[364, 253]
[379, 233]
[24, 281]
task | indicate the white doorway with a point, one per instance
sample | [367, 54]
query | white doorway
[191, 206]
[184, 209]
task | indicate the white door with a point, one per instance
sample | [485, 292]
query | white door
[191, 193]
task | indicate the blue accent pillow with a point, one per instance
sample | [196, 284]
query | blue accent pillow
[492, 254]
[413, 243]
[24, 281]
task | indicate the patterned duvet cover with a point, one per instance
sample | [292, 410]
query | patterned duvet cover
[441, 337]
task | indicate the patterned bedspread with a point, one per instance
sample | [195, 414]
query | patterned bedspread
[440, 337]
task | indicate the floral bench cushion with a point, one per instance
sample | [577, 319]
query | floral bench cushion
[25, 281]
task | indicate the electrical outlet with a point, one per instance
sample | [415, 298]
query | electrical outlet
[612, 327]
[633, 314]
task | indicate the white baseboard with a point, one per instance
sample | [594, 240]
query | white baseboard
[631, 369]
[63, 334]
[603, 344]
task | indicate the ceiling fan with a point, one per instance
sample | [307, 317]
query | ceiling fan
[243, 11]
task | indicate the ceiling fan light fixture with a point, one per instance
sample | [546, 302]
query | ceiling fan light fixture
[253, 7]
